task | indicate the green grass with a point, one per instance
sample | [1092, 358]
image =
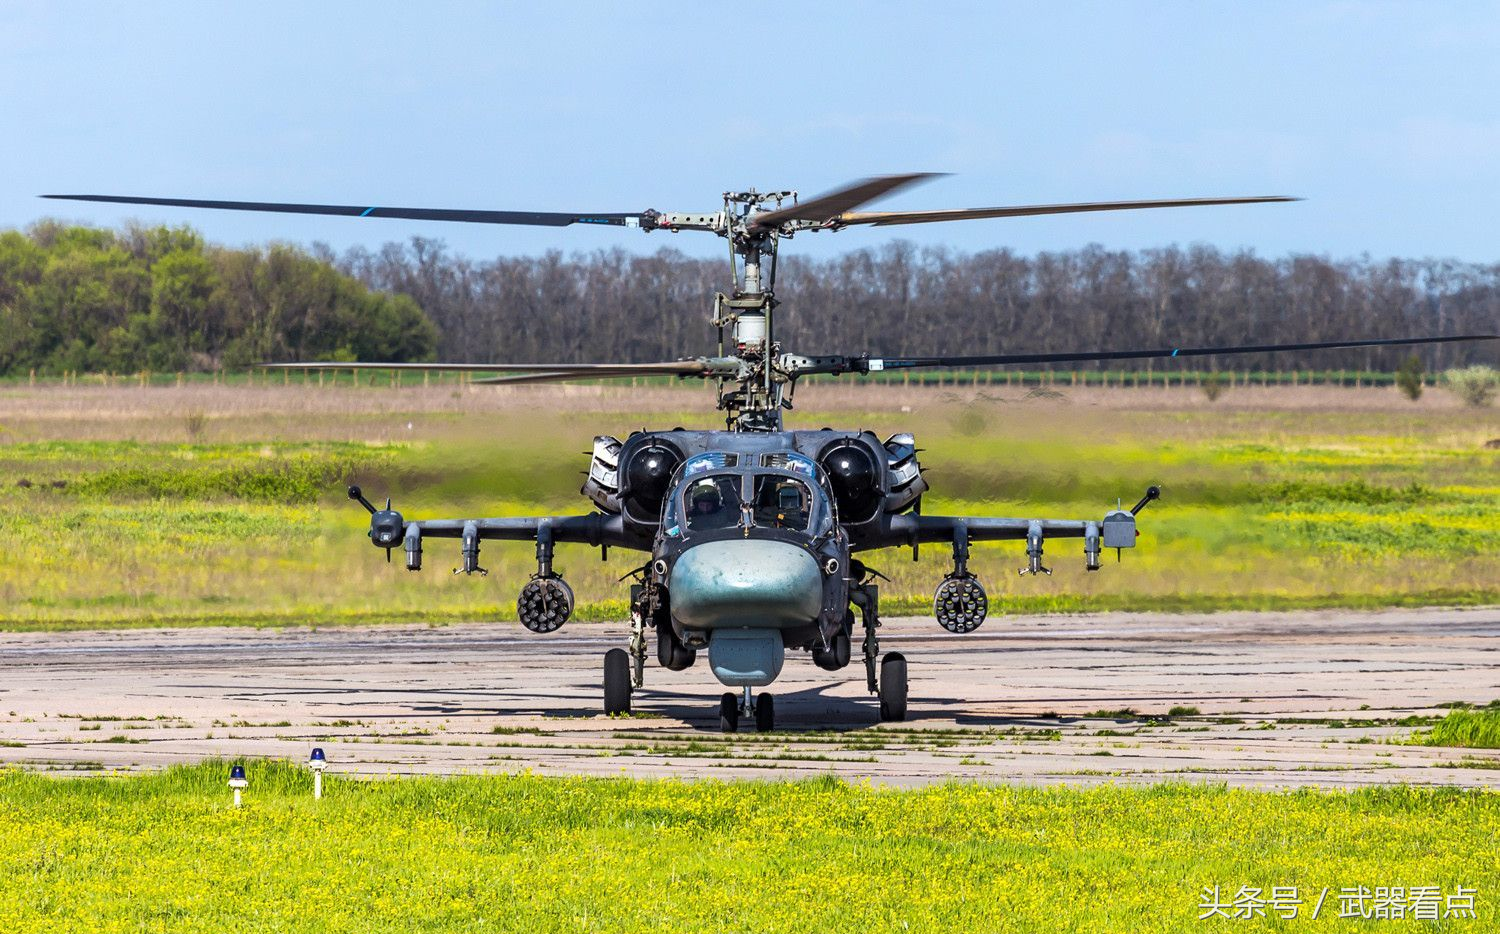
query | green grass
[526, 853]
[139, 519]
[1472, 729]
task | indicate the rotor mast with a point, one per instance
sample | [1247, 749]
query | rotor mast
[752, 398]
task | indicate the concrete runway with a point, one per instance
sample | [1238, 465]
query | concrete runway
[1283, 700]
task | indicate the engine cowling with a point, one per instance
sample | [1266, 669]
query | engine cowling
[903, 472]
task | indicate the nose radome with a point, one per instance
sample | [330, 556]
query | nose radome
[745, 582]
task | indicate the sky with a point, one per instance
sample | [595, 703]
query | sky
[1385, 117]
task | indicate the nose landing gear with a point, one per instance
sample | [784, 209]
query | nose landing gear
[762, 708]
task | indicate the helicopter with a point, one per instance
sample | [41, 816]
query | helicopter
[752, 532]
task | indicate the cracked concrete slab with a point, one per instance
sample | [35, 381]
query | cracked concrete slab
[1266, 699]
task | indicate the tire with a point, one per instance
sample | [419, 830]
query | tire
[616, 682]
[729, 713]
[893, 687]
[765, 713]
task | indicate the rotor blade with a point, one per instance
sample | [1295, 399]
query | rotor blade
[533, 218]
[835, 203]
[893, 363]
[702, 366]
[884, 218]
[522, 379]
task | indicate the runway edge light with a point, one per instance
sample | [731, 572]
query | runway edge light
[238, 781]
[317, 762]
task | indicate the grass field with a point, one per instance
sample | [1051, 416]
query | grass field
[205, 504]
[1472, 729]
[522, 853]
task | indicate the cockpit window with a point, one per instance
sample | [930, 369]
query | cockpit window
[713, 503]
[781, 503]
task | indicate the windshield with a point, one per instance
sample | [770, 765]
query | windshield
[713, 503]
[782, 503]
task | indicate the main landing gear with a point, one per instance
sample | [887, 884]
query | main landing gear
[624, 671]
[886, 677]
[763, 708]
[890, 686]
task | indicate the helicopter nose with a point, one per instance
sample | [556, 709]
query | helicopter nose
[745, 582]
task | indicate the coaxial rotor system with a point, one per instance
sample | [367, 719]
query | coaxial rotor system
[754, 373]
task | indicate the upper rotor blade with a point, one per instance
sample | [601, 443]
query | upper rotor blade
[884, 218]
[835, 203]
[532, 218]
[890, 363]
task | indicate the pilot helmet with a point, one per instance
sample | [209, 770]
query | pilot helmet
[706, 492]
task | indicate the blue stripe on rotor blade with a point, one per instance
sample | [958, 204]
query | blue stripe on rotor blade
[1174, 351]
[366, 212]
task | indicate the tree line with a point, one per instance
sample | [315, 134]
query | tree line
[160, 299]
[902, 300]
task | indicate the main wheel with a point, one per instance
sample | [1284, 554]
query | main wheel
[616, 682]
[765, 713]
[729, 713]
[893, 687]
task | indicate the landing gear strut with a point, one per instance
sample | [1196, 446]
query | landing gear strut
[890, 686]
[762, 708]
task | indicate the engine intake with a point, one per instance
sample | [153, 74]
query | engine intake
[855, 479]
[648, 476]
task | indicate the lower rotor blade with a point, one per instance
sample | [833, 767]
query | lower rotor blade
[885, 218]
[894, 363]
[531, 218]
[702, 366]
[521, 379]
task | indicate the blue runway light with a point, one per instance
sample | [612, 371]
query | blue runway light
[237, 782]
[317, 755]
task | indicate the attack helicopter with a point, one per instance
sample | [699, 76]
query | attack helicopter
[752, 533]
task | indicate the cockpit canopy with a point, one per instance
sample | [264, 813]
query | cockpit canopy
[717, 491]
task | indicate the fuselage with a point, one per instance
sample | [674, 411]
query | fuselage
[751, 535]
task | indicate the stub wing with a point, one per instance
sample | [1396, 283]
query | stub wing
[1117, 529]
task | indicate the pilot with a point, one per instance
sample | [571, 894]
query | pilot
[708, 510]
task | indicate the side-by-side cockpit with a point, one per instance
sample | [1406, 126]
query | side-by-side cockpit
[717, 491]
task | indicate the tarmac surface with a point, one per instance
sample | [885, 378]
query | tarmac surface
[1267, 699]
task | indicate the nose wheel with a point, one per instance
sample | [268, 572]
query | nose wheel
[762, 708]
